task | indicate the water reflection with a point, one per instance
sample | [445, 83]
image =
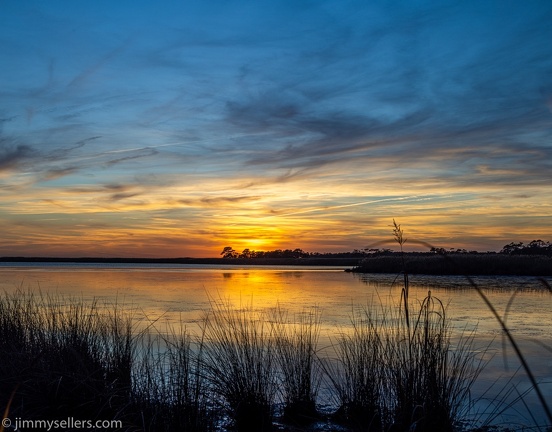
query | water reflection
[183, 295]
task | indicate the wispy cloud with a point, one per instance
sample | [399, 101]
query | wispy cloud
[209, 201]
[281, 121]
[12, 156]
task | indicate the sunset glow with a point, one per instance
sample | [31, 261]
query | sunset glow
[170, 129]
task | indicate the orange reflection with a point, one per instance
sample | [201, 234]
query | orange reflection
[253, 288]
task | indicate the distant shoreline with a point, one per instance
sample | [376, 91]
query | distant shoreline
[415, 263]
[314, 261]
[481, 264]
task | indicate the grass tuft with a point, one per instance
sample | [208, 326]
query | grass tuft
[63, 358]
[296, 347]
[170, 389]
[239, 362]
[357, 376]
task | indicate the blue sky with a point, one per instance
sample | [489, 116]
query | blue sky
[177, 128]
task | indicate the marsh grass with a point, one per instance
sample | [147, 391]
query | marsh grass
[464, 265]
[239, 361]
[389, 376]
[66, 357]
[432, 263]
[63, 358]
[296, 342]
[430, 378]
[400, 371]
[357, 374]
[170, 391]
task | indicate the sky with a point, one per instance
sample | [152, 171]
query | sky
[176, 128]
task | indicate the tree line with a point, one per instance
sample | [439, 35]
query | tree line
[229, 252]
[535, 247]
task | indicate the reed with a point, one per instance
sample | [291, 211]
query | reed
[170, 391]
[430, 379]
[70, 358]
[296, 342]
[459, 264]
[63, 358]
[389, 376]
[400, 371]
[357, 374]
[239, 362]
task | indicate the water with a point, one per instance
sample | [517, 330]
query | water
[176, 294]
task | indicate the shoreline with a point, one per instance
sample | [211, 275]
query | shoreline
[458, 264]
[314, 261]
[414, 262]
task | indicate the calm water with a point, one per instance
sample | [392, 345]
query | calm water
[180, 293]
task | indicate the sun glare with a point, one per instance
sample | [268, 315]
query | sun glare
[257, 244]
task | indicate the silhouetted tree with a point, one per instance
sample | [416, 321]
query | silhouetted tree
[229, 252]
[535, 247]
[512, 248]
[246, 253]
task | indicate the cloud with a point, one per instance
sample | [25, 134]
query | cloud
[418, 91]
[13, 156]
[217, 201]
[135, 154]
[123, 196]
[56, 173]
[46, 164]
[110, 188]
[306, 139]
